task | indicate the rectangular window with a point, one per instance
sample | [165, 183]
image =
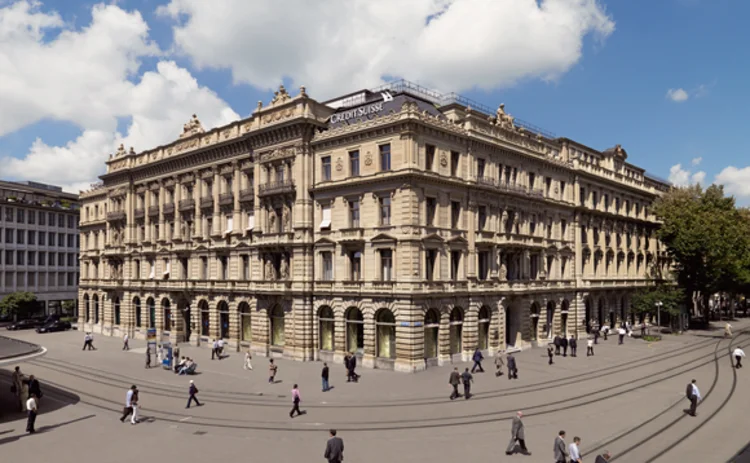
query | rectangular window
[204, 268]
[481, 165]
[548, 229]
[583, 196]
[563, 229]
[430, 157]
[71, 221]
[167, 268]
[61, 240]
[223, 267]
[455, 213]
[327, 265]
[230, 224]
[42, 258]
[482, 216]
[455, 158]
[385, 157]
[21, 258]
[386, 264]
[9, 257]
[325, 166]
[532, 180]
[455, 264]
[547, 186]
[385, 210]
[151, 269]
[61, 219]
[71, 279]
[21, 237]
[355, 265]
[430, 208]
[32, 237]
[71, 260]
[430, 259]
[534, 267]
[9, 232]
[51, 216]
[245, 267]
[532, 225]
[606, 203]
[32, 217]
[617, 205]
[32, 258]
[563, 267]
[9, 214]
[354, 213]
[42, 218]
[71, 241]
[354, 163]
[280, 174]
[31, 282]
[562, 190]
[325, 222]
[594, 200]
[20, 216]
[584, 235]
[137, 269]
[483, 267]
[51, 239]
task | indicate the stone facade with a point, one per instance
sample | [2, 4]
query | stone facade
[385, 224]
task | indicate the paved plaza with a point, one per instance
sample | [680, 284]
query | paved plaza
[627, 399]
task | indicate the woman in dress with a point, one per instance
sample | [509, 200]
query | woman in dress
[248, 360]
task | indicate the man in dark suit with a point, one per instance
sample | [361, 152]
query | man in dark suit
[573, 346]
[603, 458]
[455, 380]
[564, 345]
[517, 434]
[557, 342]
[560, 449]
[512, 370]
[35, 388]
[334, 449]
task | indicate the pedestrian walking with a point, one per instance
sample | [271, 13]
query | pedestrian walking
[324, 377]
[694, 396]
[35, 388]
[295, 402]
[352, 367]
[454, 381]
[16, 386]
[605, 330]
[574, 451]
[596, 336]
[334, 448]
[517, 435]
[32, 410]
[499, 362]
[272, 369]
[550, 354]
[125, 340]
[603, 458]
[564, 345]
[215, 350]
[738, 355]
[557, 343]
[573, 346]
[136, 404]
[248, 360]
[512, 369]
[88, 342]
[466, 378]
[727, 330]
[643, 329]
[128, 409]
[621, 334]
[560, 449]
[148, 357]
[589, 347]
[477, 358]
[193, 391]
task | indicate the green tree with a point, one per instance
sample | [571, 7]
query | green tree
[671, 298]
[20, 304]
[68, 308]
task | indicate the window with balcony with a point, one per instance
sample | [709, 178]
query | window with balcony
[325, 222]
[430, 261]
[167, 268]
[532, 180]
[547, 186]
[355, 265]
[606, 202]
[534, 266]
[455, 265]
[594, 200]
[455, 159]
[385, 210]
[386, 264]
[562, 190]
[354, 213]
[482, 217]
[532, 225]
[455, 214]
[151, 269]
[563, 229]
[280, 174]
[385, 157]
[204, 268]
[430, 209]
[325, 168]
[430, 157]
[483, 265]
[137, 269]
[223, 267]
[326, 259]
[481, 167]
[279, 212]
[354, 163]
[583, 196]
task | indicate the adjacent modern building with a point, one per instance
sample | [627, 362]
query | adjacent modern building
[39, 243]
[400, 224]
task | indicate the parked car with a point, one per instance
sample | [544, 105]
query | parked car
[27, 324]
[57, 325]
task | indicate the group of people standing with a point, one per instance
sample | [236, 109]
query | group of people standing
[28, 391]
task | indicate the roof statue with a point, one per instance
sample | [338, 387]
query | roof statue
[280, 96]
[502, 118]
[192, 127]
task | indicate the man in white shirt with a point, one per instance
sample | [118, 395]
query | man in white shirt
[220, 345]
[589, 347]
[694, 396]
[738, 354]
[31, 407]
[128, 410]
[621, 333]
[125, 340]
[575, 453]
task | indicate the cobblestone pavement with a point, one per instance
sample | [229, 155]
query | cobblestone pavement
[627, 399]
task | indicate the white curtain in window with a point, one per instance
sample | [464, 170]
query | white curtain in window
[167, 267]
[153, 270]
[326, 222]
[250, 220]
[230, 224]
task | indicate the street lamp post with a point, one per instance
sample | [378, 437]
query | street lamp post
[658, 314]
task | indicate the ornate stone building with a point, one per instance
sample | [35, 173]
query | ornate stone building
[403, 225]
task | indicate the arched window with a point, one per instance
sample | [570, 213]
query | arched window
[534, 321]
[564, 309]
[151, 305]
[326, 328]
[246, 331]
[277, 325]
[87, 307]
[456, 330]
[431, 331]
[223, 319]
[355, 330]
[484, 327]
[167, 314]
[385, 326]
[117, 310]
[137, 307]
[205, 317]
[96, 309]
[550, 319]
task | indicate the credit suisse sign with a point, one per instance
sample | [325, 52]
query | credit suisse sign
[357, 112]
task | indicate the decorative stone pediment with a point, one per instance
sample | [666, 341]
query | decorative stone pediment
[192, 127]
[280, 153]
[381, 237]
[280, 96]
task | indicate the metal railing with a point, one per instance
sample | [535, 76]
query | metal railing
[276, 187]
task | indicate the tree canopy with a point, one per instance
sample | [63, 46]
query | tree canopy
[19, 304]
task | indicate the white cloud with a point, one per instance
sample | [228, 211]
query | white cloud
[85, 77]
[696, 161]
[736, 181]
[681, 177]
[677, 95]
[335, 46]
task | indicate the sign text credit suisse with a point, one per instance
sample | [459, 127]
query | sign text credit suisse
[357, 112]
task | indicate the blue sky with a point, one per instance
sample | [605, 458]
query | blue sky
[615, 92]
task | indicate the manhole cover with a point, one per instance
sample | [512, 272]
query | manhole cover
[200, 433]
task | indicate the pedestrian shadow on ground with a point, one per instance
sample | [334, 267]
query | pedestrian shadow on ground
[53, 398]
[43, 429]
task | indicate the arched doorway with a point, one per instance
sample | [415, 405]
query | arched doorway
[564, 310]
[326, 324]
[483, 326]
[355, 331]
[151, 305]
[277, 326]
[166, 311]
[601, 316]
[137, 309]
[117, 310]
[96, 309]
[186, 323]
[512, 326]
[385, 327]
[431, 331]
[588, 318]
[623, 310]
[223, 308]
[246, 326]
[205, 318]
[87, 307]
[550, 321]
[613, 313]
[534, 321]
[456, 323]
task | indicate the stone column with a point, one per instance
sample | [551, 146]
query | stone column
[177, 214]
[146, 218]
[217, 213]
[236, 188]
